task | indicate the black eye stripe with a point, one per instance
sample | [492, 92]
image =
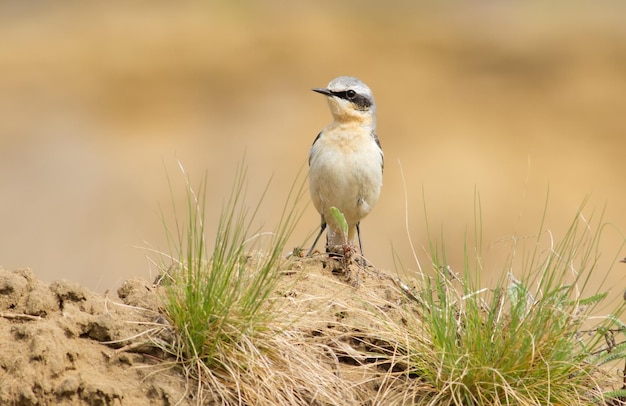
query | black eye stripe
[360, 101]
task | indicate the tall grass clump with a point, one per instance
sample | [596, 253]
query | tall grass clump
[531, 339]
[217, 298]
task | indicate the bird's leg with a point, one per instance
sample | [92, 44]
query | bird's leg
[358, 233]
[322, 228]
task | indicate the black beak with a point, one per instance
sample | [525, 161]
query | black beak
[323, 91]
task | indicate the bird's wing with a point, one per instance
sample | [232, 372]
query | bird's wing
[382, 155]
[314, 141]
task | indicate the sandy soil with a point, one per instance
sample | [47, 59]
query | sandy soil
[56, 345]
[63, 344]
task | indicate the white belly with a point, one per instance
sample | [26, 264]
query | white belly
[345, 172]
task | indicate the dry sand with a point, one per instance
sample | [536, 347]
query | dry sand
[63, 344]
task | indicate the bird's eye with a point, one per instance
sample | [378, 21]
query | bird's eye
[351, 94]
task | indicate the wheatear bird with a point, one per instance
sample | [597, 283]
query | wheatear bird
[346, 161]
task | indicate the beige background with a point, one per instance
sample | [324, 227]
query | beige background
[97, 101]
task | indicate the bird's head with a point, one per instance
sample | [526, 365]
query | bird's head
[350, 99]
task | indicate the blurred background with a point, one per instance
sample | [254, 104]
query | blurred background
[522, 103]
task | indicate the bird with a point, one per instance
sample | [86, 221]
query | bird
[346, 162]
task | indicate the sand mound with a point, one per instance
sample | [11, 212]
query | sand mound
[62, 344]
[59, 346]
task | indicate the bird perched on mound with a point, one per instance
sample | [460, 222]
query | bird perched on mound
[346, 161]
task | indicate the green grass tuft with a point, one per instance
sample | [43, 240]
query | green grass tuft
[520, 342]
[218, 298]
